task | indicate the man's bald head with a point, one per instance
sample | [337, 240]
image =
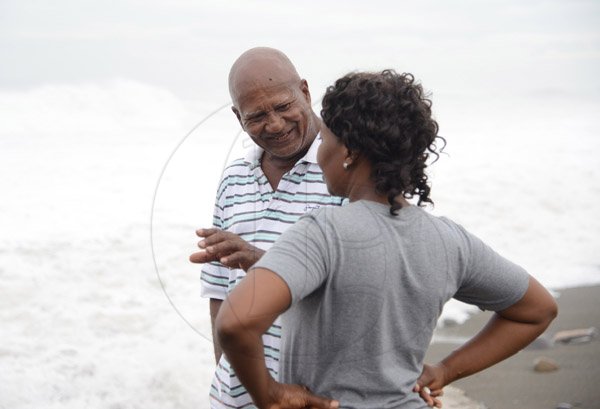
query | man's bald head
[273, 105]
[260, 67]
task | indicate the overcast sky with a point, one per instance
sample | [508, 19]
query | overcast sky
[542, 47]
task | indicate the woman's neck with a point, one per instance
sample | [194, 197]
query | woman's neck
[361, 185]
[366, 193]
[375, 197]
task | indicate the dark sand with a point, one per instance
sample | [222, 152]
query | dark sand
[514, 384]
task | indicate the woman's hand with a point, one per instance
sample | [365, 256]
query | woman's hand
[287, 396]
[507, 332]
[430, 383]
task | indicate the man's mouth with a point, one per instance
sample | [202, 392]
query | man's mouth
[282, 136]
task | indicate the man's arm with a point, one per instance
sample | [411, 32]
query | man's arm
[215, 304]
[227, 248]
[507, 332]
[245, 315]
[230, 250]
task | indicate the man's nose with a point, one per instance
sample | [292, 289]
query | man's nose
[275, 123]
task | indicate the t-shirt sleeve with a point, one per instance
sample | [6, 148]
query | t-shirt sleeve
[214, 277]
[489, 280]
[299, 256]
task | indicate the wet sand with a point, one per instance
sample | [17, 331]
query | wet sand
[514, 384]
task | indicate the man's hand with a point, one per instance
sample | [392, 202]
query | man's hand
[286, 396]
[430, 383]
[228, 248]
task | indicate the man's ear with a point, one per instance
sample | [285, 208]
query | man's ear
[305, 91]
[238, 116]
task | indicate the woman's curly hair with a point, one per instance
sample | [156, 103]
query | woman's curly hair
[386, 117]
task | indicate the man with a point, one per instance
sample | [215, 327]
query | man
[261, 195]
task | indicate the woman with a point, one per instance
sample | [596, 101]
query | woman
[364, 284]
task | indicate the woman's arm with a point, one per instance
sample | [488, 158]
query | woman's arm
[506, 333]
[244, 316]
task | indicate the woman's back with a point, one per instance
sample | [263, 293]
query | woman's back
[367, 289]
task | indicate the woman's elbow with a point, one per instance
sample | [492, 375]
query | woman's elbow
[547, 307]
[227, 327]
[537, 307]
[546, 311]
[551, 310]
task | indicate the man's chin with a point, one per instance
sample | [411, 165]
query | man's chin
[298, 151]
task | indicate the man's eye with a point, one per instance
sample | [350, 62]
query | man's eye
[284, 107]
[255, 119]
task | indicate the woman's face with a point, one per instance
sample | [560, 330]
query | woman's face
[331, 156]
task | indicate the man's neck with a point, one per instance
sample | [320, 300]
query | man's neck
[281, 164]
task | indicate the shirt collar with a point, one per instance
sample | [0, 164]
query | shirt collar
[254, 153]
[311, 154]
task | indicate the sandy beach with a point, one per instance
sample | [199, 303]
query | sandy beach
[514, 383]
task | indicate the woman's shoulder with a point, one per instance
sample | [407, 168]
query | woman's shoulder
[324, 213]
[348, 221]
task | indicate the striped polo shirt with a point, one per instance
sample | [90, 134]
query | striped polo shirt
[247, 205]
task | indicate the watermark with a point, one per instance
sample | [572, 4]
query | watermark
[152, 212]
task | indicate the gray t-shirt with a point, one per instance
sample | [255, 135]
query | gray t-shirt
[367, 290]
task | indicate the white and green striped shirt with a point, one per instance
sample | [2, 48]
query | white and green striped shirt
[248, 206]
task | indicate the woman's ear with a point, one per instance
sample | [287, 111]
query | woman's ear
[351, 157]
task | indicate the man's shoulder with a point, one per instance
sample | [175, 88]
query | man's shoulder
[236, 175]
[237, 167]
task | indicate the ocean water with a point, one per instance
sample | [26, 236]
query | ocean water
[85, 322]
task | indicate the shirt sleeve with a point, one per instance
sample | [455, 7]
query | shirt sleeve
[300, 256]
[214, 277]
[489, 280]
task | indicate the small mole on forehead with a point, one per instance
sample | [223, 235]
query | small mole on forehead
[270, 79]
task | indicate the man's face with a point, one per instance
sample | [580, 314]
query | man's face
[277, 118]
